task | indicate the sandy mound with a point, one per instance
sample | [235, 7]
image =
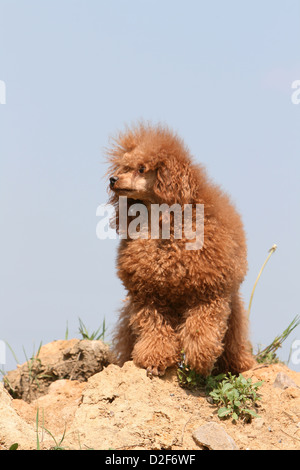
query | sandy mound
[64, 359]
[121, 408]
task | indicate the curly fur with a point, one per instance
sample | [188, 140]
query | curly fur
[178, 299]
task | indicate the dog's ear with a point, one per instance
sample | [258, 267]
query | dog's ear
[173, 184]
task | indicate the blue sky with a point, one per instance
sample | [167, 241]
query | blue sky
[219, 73]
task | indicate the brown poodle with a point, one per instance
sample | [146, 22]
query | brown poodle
[179, 299]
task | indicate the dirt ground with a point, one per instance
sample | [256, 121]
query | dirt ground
[122, 408]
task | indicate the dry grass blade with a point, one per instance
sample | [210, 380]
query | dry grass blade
[271, 251]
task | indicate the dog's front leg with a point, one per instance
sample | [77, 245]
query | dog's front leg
[157, 344]
[202, 334]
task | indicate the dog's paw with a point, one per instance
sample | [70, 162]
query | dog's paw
[155, 371]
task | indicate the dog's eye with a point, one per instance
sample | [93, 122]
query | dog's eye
[142, 169]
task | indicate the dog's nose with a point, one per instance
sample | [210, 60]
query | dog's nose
[113, 180]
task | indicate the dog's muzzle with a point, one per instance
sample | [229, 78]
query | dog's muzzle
[113, 180]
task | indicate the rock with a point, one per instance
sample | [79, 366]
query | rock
[214, 437]
[13, 429]
[56, 409]
[257, 423]
[283, 381]
[122, 408]
[64, 359]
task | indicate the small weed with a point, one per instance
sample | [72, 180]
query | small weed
[34, 364]
[268, 354]
[95, 335]
[235, 396]
[33, 376]
[187, 377]
[57, 445]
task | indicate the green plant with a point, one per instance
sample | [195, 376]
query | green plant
[95, 335]
[12, 351]
[187, 377]
[33, 365]
[235, 396]
[67, 332]
[268, 354]
[57, 445]
[33, 375]
[14, 446]
[38, 447]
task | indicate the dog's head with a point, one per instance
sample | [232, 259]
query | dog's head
[152, 165]
[134, 181]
